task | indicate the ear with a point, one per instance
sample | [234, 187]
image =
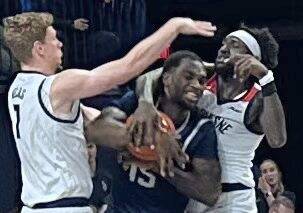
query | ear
[166, 79]
[38, 48]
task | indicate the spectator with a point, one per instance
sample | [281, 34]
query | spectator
[10, 177]
[282, 205]
[271, 186]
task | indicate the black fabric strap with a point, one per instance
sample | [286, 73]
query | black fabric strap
[229, 187]
[269, 89]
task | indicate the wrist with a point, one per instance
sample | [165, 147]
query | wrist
[268, 194]
[266, 78]
[177, 24]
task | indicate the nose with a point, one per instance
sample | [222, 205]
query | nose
[197, 85]
[60, 44]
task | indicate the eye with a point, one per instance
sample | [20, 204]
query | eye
[188, 77]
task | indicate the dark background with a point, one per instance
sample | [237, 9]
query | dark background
[285, 20]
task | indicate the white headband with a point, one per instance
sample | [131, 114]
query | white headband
[249, 41]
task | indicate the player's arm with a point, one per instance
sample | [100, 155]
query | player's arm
[202, 183]
[204, 175]
[74, 84]
[147, 84]
[271, 118]
[109, 128]
[266, 116]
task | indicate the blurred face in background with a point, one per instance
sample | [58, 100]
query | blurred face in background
[270, 171]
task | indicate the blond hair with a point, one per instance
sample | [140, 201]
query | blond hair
[22, 30]
[280, 189]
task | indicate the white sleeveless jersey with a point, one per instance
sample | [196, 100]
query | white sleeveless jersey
[236, 144]
[54, 160]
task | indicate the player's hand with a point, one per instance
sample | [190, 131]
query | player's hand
[246, 65]
[109, 129]
[188, 26]
[169, 151]
[145, 121]
[92, 153]
[263, 185]
[81, 24]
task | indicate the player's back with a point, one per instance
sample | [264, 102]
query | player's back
[52, 150]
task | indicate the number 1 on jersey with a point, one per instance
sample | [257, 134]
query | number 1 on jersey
[17, 110]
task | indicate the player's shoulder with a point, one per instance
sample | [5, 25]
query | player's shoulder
[198, 115]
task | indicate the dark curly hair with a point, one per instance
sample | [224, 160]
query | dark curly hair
[268, 44]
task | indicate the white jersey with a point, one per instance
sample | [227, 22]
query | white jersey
[52, 150]
[236, 144]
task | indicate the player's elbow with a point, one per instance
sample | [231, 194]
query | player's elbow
[209, 197]
[277, 141]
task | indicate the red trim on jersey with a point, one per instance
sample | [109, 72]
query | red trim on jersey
[212, 84]
[251, 94]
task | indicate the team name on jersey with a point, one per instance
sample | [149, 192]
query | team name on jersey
[221, 124]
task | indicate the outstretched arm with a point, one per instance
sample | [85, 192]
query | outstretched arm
[75, 84]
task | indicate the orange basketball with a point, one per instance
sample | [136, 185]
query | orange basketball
[145, 153]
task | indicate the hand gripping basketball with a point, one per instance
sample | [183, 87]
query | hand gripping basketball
[146, 153]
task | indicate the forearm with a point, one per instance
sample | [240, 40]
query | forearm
[273, 121]
[205, 188]
[147, 84]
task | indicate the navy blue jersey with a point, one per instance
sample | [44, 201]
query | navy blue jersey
[139, 190]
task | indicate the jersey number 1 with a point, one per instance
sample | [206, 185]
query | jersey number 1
[17, 110]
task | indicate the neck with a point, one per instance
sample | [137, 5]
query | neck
[229, 87]
[176, 112]
[39, 67]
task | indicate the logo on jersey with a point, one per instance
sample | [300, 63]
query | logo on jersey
[18, 92]
[235, 110]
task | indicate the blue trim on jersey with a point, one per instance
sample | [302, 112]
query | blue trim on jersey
[49, 114]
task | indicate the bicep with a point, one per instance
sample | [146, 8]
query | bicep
[75, 84]
[252, 119]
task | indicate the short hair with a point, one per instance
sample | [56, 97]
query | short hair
[282, 200]
[173, 61]
[22, 30]
[268, 44]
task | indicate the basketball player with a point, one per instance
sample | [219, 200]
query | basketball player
[182, 84]
[44, 107]
[242, 99]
